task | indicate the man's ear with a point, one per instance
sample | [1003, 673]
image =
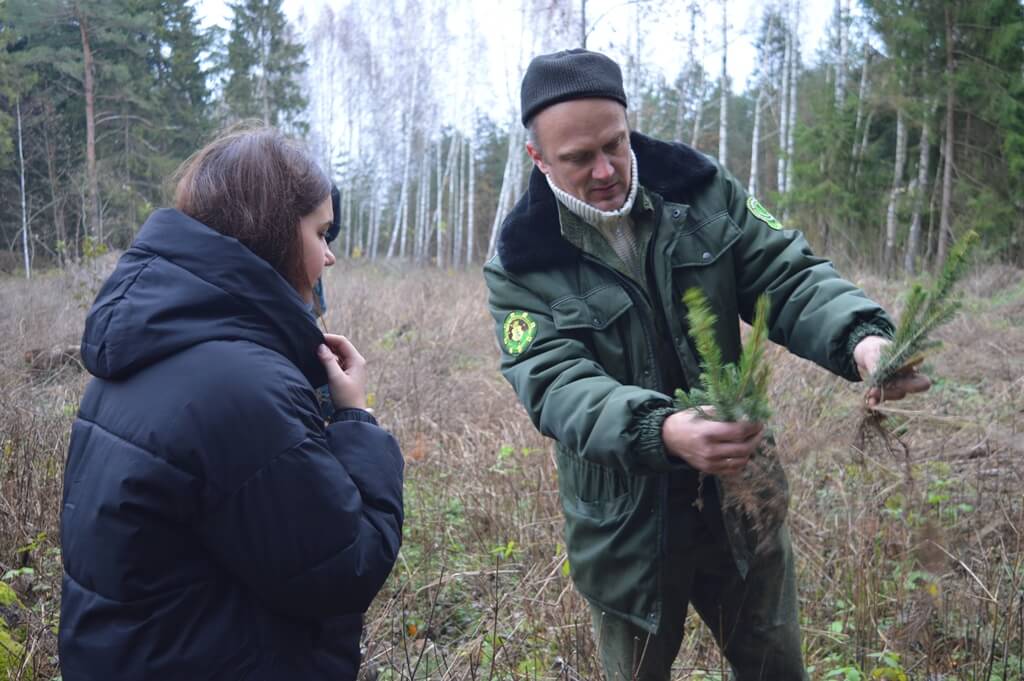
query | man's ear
[536, 158]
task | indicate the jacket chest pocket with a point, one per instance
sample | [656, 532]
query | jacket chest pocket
[600, 318]
[702, 259]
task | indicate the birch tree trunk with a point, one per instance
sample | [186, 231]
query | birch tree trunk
[784, 109]
[455, 203]
[509, 181]
[583, 30]
[375, 215]
[346, 199]
[697, 84]
[888, 254]
[401, 225]
[842, 13]
[914, 236]
[471, 196]
[862, 95]
[723, 104]
[794, 75]
[91, 172]
[945, 226]
[755, 143]
[24, 200]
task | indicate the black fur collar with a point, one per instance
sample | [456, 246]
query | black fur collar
[530, 236]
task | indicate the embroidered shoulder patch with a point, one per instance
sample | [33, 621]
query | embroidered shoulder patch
[518, 332]
[762, 214]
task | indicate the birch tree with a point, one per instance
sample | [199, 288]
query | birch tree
[920, 191]
[888, 253]
[723, 104]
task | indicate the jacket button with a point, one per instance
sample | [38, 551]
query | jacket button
[676, 213]
[706, 255]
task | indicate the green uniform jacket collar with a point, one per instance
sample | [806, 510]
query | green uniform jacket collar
[530, 236]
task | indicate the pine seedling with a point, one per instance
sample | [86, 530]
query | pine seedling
[736, 391]
[924, 311]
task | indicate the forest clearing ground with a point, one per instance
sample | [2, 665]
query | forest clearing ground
[907, 564]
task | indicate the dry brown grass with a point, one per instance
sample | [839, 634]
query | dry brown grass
[918, 555]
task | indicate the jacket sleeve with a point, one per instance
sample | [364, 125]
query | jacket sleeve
[569, 396]
[815, 313]
[315, 530]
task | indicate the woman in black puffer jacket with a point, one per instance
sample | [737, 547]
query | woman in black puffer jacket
[213, 526]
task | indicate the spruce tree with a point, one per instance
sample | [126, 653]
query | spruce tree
[177, 56]
[265, 64]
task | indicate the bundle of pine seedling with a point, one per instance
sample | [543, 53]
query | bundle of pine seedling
[925, 310]
[738, 392]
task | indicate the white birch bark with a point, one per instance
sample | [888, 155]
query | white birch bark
[471, 199]
[920, 189]
[794, 75]
[945, 219]
[509, 181]
[888, 254]
[24, 200]
[755, 143]
[723, 104]
[401, 225]
[455, 204]
[842, 14]
[784, 109]
[375, 216]
[862, 95]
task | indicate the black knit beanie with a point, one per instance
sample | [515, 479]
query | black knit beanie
[570, 74]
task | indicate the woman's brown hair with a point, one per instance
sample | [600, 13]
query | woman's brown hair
[254, 184]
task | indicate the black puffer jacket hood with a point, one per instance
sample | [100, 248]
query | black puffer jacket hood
[181, 284]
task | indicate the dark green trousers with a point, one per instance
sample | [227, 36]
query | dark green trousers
[754, 620]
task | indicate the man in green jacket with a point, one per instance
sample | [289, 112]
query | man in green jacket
[586, 291]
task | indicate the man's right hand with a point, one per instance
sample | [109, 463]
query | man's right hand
[714, 447]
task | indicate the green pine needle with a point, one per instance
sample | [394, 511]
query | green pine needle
[736, 391]
[924, 312]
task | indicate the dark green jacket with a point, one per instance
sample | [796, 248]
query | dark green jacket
[592, 374]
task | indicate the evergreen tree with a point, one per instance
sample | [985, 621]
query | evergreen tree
[8, 85]
[264, 64]
[180, 77]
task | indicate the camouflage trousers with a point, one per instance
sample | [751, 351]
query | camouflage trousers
[754, 620]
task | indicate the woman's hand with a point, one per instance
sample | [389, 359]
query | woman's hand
[346, 372]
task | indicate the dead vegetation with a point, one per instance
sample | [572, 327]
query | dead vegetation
[908, 565]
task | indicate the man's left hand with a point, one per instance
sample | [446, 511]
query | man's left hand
[867, 354]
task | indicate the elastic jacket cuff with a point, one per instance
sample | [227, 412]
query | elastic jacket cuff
[649, 443]
[859, 334]
[352, 414]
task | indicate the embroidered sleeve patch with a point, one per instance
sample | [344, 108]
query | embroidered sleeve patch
[762, 214]
[518, 332]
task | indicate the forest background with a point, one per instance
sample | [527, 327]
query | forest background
[899, 130]
[903, 127]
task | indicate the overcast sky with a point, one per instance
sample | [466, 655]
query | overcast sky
[663, 43]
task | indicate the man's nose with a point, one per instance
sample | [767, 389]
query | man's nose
[603, 168]
[329, 258]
